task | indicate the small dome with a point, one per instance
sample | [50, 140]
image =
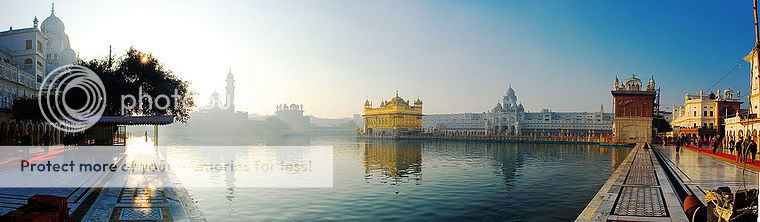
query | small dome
[52, 24]
[418, 102]
[633, 84]
[69, 54]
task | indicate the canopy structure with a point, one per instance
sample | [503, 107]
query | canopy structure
[111, 130]
[136, 120]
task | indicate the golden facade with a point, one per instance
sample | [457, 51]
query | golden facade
[393, 117]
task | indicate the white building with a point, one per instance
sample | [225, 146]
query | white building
[28, 54]
[22, 62]
[505, 118]
[569, 123]
[58, 50]
[455, 123]
[509, 118]
[292, 116]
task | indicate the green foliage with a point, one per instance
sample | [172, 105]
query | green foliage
[127, 75]
[137, 70]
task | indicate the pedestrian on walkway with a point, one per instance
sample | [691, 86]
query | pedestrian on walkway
[745, 150]
[738, 148]
[752, 149]
[731, 145]
[678, 144]
[714, 145]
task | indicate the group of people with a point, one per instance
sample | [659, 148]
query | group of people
[25, 139]
[745, 149]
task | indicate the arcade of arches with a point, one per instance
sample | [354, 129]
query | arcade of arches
[12, 131]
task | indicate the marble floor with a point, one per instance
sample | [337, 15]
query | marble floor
[700, 172]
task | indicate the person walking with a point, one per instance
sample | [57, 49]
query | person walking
[752, 149]
[715, 145]
[731, 145]
[678, 144]
[738, 147]
[745, 150]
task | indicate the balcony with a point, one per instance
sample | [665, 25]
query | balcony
[14, 74]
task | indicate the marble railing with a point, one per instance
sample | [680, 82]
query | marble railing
[17, 75]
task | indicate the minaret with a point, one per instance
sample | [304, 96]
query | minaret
[230, 88]
[754, 78]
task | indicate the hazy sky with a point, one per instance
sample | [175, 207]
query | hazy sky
[457, 56]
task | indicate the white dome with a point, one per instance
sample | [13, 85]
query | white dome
[53, 24]
[68, 55]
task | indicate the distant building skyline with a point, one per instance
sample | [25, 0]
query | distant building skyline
[459, 56]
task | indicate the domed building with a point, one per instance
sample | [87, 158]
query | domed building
[634, 110]
[505, 118]
[509, 117]
[702, 115]
[394, 117]
[58, 50]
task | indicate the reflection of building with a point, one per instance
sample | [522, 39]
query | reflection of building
[703, 115]
[506, 116]
[393, 117]
[397, 160]
[633, 110]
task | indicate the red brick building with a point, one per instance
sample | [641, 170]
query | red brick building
[634, 109]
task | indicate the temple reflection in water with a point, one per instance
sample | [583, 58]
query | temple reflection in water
[391, 161]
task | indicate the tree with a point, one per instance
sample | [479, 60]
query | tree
[134, 74]
[137, 71]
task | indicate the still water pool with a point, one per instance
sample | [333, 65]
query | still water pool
[425, 180]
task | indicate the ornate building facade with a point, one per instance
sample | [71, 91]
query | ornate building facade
[221, 109]
[393, 117]
[741, 125]
[703, 114]
[505, 118]
[462, 123]
[634, 109]
[567, 123]
[293, 117]
[58, 50]
[512, 119]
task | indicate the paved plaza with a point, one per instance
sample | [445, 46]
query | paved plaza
[699, 171]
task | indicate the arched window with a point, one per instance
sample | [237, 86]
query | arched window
[27, 61]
